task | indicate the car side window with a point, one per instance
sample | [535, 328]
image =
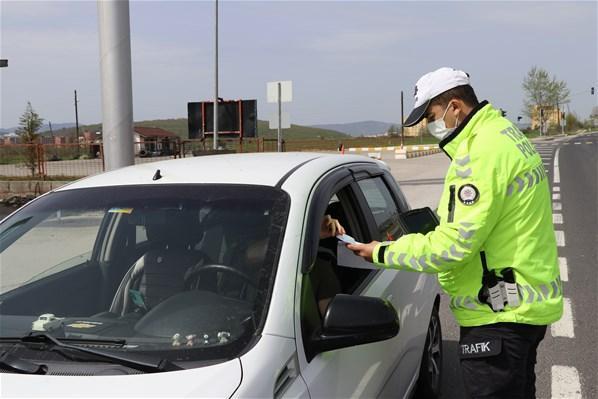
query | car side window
[383, 208]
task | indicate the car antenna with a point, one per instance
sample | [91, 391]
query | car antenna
[157, 175]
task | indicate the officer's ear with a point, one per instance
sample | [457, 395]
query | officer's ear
[458, 109]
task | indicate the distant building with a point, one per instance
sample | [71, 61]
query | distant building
[10, 138]
[594, 117]
[61, 140]
[89, 137]
[552, 116]
[153, 141]
[417, 130]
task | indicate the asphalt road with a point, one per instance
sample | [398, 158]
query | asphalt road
[568, 355]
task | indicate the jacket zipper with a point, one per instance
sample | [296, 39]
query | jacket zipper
[451, 204]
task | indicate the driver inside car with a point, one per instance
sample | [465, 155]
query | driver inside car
[324, 280]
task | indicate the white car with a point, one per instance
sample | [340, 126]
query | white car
[207, 277]
[46, 322]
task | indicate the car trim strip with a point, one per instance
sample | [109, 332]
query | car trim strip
[290, 172]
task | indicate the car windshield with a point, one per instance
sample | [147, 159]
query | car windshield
[184, 270]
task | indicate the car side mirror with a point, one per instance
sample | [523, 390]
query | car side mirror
[421, 220]
[355, 320]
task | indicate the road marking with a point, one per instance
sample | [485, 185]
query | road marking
[564, 327]
[577, 142]
[565, 383]
[556, 174]
[557, 206]
[557, 218]
[556, 196]
[560, 238]
[566, 143]
[564, 269]
[589, 142]
[556, 188]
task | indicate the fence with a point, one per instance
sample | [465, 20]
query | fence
[67, 161]
[71, 161]
[205, 146]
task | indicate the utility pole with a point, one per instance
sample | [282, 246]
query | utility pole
[279, 117]
[402, 122]
[77, 121]
[216, 78]
[55, 157]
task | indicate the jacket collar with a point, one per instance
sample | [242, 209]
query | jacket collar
[450, 143]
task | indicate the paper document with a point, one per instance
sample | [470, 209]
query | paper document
[346, 258]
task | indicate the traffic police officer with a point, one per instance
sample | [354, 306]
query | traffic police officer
[494, 251]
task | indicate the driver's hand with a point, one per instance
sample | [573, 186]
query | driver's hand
[363, 250]
[330, 227]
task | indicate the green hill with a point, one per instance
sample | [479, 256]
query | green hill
[179, 126]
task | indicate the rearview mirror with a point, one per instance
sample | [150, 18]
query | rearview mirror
[421, 220]
[355, 320]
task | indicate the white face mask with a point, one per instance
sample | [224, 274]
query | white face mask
[438, 128]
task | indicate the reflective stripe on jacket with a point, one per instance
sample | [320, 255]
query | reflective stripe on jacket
[496, 199]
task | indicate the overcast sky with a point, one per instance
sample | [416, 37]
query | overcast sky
[348, 60]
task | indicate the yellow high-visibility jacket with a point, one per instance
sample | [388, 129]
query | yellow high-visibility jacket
[496, 199]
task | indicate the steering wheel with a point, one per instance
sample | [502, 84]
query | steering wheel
[218, 268]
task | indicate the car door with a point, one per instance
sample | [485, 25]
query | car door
[358, 371]
[412, 293]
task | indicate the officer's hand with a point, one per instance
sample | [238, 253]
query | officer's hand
[363, 250]
[330, 227]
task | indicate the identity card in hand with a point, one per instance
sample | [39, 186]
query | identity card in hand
[347, 239]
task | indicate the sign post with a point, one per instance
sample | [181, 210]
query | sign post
[279, 92]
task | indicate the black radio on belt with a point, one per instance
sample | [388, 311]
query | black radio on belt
[498, 291]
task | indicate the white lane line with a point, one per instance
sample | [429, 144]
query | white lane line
[556, 196]
[557, 206]
[577, 142]
[589, 142]
[560, 238]
[564, 269]
[557, 218]
[556, 188]
[565, 383]
[564, 327]
[556, 174]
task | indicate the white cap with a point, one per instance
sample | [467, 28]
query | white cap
[431, 85]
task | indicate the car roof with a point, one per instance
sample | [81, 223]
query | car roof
[267, 169]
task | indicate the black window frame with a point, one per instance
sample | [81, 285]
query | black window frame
[394, 192]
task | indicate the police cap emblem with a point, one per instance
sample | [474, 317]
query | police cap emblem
[468, 194]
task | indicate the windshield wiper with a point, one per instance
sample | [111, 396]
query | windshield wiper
[144, 363]
[21, 366]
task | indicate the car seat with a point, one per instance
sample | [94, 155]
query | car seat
[160, 272]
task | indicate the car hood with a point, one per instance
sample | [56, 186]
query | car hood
[216, 381]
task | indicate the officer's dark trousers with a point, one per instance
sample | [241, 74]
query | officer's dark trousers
[498, 360]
